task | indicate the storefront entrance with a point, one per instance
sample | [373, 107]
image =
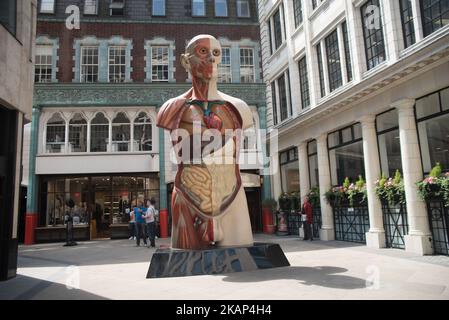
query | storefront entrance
[102, 204]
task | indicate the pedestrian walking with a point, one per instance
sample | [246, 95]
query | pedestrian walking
[150, 218]
[307, 219]
[139, 216]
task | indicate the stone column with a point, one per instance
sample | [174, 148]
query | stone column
[327, 231]
[275, 171]
[418, 239]
[375, 238]
[304, 183]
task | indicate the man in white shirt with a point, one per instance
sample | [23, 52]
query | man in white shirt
[150, 219]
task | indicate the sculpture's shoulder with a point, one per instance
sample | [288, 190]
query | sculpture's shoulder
[242, 108]
[168, 114]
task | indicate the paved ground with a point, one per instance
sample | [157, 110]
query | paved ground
[319, 270]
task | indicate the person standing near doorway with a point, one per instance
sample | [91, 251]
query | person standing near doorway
[307, 212]
[139, 216]
[150, 218]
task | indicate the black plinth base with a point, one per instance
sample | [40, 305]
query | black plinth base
[183, 263]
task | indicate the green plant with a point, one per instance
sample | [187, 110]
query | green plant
[436, 185]
[295, 200]
[314, 197]
[284, 202]
[391, 190]
[347, 192]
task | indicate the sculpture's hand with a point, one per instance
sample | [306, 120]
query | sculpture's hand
[197, 180]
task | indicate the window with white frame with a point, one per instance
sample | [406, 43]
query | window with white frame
[117, 8]
[333, 61]
[158, 8]
[43, 63]
[159, 63]
[198, 8]
[276, 32]
[78, 134]
[243, 9]
[373, 34]
[90, 7]
[143, 133]
[246, 65]
[55, 140]
[320, 70]
[117, 64]
[221, 8]
[89, 64]
[434, 15]
[47, 6]
[99, 132]
[224, 68]
[297, 12]
[121, 132]
[316, 3]
[304, 83]
[283, 94]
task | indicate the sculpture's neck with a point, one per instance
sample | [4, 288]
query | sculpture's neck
[204, 90]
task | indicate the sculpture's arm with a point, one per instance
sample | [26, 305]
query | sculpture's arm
[243, 110]
[168, 114]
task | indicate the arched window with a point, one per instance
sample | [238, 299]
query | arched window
[55, 134]
[78, 134]
[143, 133]
[121, 132]
[99, 133]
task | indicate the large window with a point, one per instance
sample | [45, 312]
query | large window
[333, 61]
[278, 34]
[89, 64]
[372, 33]
[78, 134]
[158, 8]
[121, 133]
[159, 63]
[8, 14]
[346, 154]
[304, 83]
[289, 170]
[320, 70]
[282, 92]
[435, 15]
[55, 140]
[274, 102]
[297, 12]
[243, 9]
[117, 64]
[90, 7]
[224, 68]
[312, 155]
[198, 8]
[408, 28]
[246, 65]
[143, 134]
[432, 113]
[47, 6]
[221, 8]
[43, 64]
[99, 133]
[344, 28]
[387, 126]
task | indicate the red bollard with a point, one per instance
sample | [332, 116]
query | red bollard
[163, 221]
[267, 221]
[30, 226]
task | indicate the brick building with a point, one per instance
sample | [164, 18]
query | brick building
[98, 89]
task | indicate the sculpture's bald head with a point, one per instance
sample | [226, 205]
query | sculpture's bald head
[202, 56]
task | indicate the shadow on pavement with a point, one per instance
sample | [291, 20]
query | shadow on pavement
[324, 276]
[28, 288]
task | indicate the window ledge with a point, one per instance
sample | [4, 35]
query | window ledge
[278, 50]
[375, 70]
[321, 7]
[297, 30]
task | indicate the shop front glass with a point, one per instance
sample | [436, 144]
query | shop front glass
[387, 125]
[289, 170]
[432, 113]
[346, 154]
[313, 163]
[104, 199]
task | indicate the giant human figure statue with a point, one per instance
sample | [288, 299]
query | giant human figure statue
[209, 206]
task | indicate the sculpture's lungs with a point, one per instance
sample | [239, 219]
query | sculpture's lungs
[210, 188]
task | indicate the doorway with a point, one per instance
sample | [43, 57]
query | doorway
[254, 207]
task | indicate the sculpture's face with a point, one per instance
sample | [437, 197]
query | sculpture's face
[204, 57]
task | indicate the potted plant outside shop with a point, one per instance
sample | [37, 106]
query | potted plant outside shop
[435, 186]
[391, 190]
[284, 202]
[348, 194]
[295, 202]
[314, 197]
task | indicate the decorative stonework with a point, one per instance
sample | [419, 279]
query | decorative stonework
[69, 95]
